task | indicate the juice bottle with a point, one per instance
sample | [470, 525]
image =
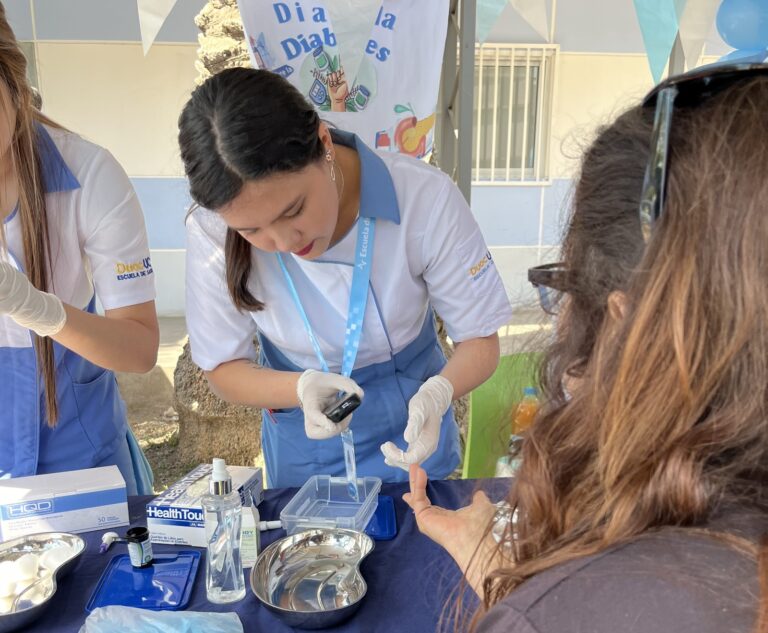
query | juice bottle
[525, 411]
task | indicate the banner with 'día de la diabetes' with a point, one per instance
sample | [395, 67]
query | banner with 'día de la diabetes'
[371, 67]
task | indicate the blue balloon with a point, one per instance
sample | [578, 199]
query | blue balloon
[752, 57]
[743, 24]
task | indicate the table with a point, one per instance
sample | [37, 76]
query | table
[409, 578]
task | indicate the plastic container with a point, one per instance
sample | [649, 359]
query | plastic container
[324, 502]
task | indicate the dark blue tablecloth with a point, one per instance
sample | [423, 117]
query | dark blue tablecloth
[409, 578]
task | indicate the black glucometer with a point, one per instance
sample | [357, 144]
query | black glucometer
[340, 409]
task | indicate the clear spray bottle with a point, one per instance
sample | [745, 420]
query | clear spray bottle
[224, 580]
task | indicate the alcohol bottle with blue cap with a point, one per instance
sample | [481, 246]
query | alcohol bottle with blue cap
[224, 580]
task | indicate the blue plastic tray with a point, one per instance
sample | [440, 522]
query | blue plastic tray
[383, 523]
[166, 585]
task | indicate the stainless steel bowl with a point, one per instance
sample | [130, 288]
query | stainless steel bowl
[312, 579]
[26, 610]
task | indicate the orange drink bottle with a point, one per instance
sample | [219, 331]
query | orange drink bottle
[526, 411]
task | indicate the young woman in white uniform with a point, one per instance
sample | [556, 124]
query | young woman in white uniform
[307, 238]
[72, 231]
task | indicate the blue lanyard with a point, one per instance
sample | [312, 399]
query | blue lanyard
[358, 298]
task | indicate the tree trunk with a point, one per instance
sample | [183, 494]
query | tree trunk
[208, 426]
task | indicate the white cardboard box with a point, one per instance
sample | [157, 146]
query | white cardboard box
[70, 501]
[175, 517]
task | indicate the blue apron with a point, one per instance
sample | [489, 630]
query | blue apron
[291, 457]
[92, 429]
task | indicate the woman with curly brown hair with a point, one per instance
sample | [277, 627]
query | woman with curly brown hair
[642, 499]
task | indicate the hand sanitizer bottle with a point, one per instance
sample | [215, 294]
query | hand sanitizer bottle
[224, 580]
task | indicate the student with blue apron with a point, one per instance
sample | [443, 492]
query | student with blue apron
[72, 231]
[335, 257]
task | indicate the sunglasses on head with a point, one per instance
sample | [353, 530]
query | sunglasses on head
[551, 284]
[683, 91]
[687, 90]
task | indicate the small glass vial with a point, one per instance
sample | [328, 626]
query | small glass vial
[139, 547]
[224, 579]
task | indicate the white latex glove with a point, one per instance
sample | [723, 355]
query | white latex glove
[317, 390]
[41, 312]
[425, 414]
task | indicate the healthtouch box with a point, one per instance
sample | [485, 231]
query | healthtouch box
[175, 517]
[70, 501]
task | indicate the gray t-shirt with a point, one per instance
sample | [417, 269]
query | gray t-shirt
[666, 582]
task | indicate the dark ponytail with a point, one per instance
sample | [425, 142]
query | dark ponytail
[243, 124]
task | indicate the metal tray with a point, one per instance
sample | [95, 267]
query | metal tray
[312, 579]
[25, 610]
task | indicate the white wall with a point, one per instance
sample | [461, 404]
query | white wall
[130, 104]
[113, 95]
[169, 268]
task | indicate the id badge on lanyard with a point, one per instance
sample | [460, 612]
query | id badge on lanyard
[358, 298]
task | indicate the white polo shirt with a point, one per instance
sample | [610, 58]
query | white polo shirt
[428, 249]
[95, 226]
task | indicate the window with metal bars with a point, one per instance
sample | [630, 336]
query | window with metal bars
[513, 94]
